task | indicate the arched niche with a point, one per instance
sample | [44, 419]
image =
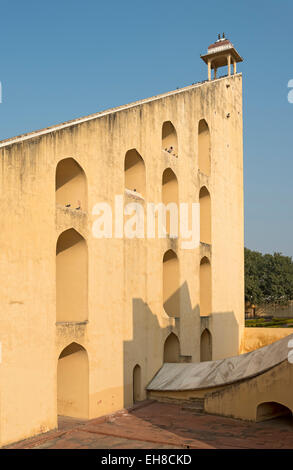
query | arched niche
[205, 216]
[71, 185]
[169, 138]
[205, 346]
[170, 195]
[134, 172]
[205, 281]
[172, 349]
[73, 382]
[204, 148]
[136, 383]
[171, 291]
[71, 277]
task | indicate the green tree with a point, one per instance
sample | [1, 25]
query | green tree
[268, 278]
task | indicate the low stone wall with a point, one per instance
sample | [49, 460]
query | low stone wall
[253, 387]
[273, 309]
[180, 396]
[241, 400]
[276, 310]
[255, 338]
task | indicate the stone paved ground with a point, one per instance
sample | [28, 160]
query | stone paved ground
[153, 425]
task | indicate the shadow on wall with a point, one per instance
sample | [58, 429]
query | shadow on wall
[142, 355]
[191, 339]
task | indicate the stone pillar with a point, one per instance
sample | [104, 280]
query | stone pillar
[209, 71]
[229, 64]
[215, 72]
[234, 67]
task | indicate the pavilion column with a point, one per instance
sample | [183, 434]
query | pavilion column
[229, 65]
[209, 71]
[234, 67]
[215, 72]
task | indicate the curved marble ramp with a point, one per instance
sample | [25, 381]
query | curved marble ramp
[202, 375]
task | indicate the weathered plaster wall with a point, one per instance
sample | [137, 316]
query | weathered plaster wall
[254, 338]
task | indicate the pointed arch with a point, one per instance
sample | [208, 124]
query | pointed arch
[71, 184]
[172, 349]
[205, 216]
[134, 172]
[73, 382]
[206, 353]
[169, 186]
[205, 281]
[71, 277]
[137, 383]
[170, 195]
[169, 138]
[204, 147]
[171, 292]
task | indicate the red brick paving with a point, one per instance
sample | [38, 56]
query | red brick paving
[155, 425]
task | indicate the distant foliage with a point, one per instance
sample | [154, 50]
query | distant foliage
[268, 278]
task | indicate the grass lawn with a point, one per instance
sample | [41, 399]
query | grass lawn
[269, 322]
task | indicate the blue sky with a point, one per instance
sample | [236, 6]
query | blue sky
[62, 60]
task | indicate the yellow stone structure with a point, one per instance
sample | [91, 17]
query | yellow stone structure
[86, 323]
